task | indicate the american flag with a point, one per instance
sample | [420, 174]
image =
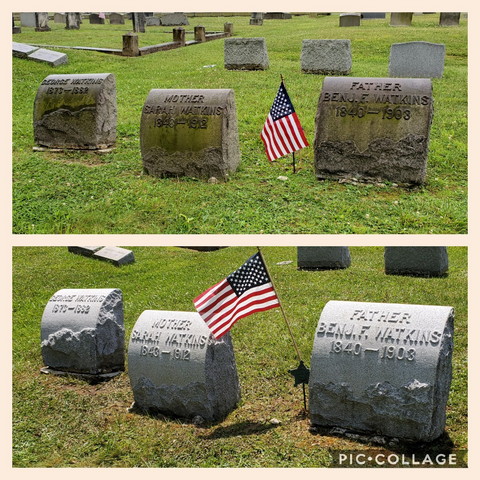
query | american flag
[245, 291]
[282, 133]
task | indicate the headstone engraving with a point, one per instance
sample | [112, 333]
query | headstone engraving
[82, 332]
[117, 18]
[73, 21]
[323, 258]
[417, 261]
[449, 19]
[350, 19]
[176, 367]
[174, 19]
[77, 111]
[381, 368]
[401, 19]
[49, 56]
[372, 128]
[190, 132]
[417, 60]
[246, 54]
[326, 57]
[41, 22]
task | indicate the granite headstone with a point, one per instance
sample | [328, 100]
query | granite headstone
[417, 60]
[246, 54]
[401, 19]
[323, 258]
[326, 57]
[416, 261]
[449, 19]
[350, 19]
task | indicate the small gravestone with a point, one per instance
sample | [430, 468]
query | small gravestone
[138, 20]
[323, 258]
[384, 369]
[85, 251]
[116, 255]
[28, 19]
[350, 19]
[174, 19]
[41, 22]
[59, 18]
[73, 21]
[96, 19]
[176, 367]
[256, 18]
[449, 19]
[228, 28]
[22, 50]
[77, 111]
[190, 132]
[130, 45]
[277, 16]
[246, 54]
[82, 332]
[373, 128]
[373, 15]
[117, 18]
[49, 56]
[417, 60]
[416, 261]
[401, 19]
[326, 57]
[153, 21]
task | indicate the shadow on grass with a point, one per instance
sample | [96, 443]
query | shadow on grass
[242, 428]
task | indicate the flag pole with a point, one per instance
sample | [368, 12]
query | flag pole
[281, 307]
[293, 153]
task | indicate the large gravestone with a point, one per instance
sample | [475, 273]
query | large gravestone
[174, 19]
[326, 57]
[323, 258]
[417, 261]
[401, 19]
[73, 21]
[350, 19]
[417, 60]
[77, 111]
[190, 132]
[246, 54]
[373, 128]
[176, 367]
[449, 19]
[82, 332]
[381, 368]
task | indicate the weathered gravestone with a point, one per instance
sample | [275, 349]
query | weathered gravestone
[173, 19]
[373, 128]
[417, 60]
[77, 111]
[245, 54]
[190, 132]
[323, 258]
[277, 16]
[59, 17]
[41, 22]
[116, 255]
[96, 19]
[73, 21]
[22, 50]
[417, 261]
[179, 35]
[350, 19]
[117, 18]
[401, 19]
[176, 367]
[49, 56]
[153, 22]
[256, 18]
[372, 15]
[130, 45]
[199, 33]
[82, 332]
[138, 20]
[449, 19]
[84, 251]
[28, 19]
[381, 368]
[326, 57]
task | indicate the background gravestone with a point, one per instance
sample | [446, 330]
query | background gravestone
[174, 19]
[177, 368]
[326, 57]
[117, 19]
[41, 22]
[138, 20]
[372, 15]
[116, 255]
[417, 60]
[190, 132]
[153, 22]
[28, 19]
[350, 19]
[59, 17]
[382, 368]
[73, 21]
[82, 332]
[373, 128]
[323, 258]
[77, 111]
[96, 19]
[401, 19]
[418, 261]
[246, 54]
[48, 56]
[449, 19]
[22, 50]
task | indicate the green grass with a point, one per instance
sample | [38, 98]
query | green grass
[90, 193]
[62, 422]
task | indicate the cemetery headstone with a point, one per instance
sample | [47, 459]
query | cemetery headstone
[28, 19]
[96, 19]
[350, 19]
[117, 18]
[73, 21]
[323, 258]
[326, 57]
[401, 19]
[85, 251]
[256, 18]
[373, 128]
[116, 255]
[449, 19]
[228, 28]
[77, 111]
[381, 368]
[246, 54]
[277, 16]
[49, 56]
[416, 261]
[82, 332]
[417, 60]
[22, 50]
[190, 132]
[176, 367]
[153, 22]
[138, 20]
[59, 18]
[41, 22]
[130, 45]
[372, 15]
[174, 19]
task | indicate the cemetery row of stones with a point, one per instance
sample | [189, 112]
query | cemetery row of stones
[384, 369]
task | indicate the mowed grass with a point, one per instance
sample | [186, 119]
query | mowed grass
[90, 193]
[62, 422]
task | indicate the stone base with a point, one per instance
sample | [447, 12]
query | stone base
[88, 377]
[59, 150]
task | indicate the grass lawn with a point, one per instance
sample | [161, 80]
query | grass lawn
[90, 193]
[62, 422]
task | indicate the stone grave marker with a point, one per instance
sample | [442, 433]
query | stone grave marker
[326, 57]
[417, 60]
[84, 251]
[22, 50]
[153, 21]
[116, 255]
[199, 34]
[28, 19]
[82, 332]
[73, 22]
[382, 368]
[190, 132]
[49, 56]
[256, 18]
[138, 20]
[323, 258]
[449, 19]
[228, 28]
[76, 111]
[350, 19]
[177, 368]
[96, 19]
[277, 16]
[401, 19]
[372, 15]
[41, 22]
[373, 128]
[59, 17]
[117, 18]
[174, 19]
[246, 54]
[417, 261]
